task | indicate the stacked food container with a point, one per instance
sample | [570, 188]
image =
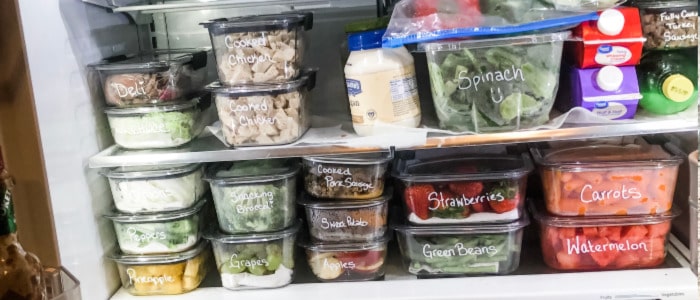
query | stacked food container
[346, 205]
[606, 207]
[463, 215]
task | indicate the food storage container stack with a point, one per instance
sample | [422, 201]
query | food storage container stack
[257, 226]
[346, 202]
[262, 96]
[606, 207]
[463, 215]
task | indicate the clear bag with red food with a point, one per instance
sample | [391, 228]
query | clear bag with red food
[603, 243]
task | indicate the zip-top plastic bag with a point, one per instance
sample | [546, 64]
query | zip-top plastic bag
[416, 21]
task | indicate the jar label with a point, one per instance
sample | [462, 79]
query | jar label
[383, 97]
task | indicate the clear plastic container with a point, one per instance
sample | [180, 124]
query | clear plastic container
[477, 249]
[155, 188]
[608, 180]
[352, 176]
[254, 196]
[670, 24]
[154, 77]
[167, 274]
[255, 261]
[346, 221]
[491, 85]
[479, 189]
[259, 49]
[331, 262]
[158, 233]
[603, 243]
[156, 126]
[264, 114]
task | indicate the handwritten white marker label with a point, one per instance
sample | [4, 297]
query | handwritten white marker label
[579, 247]
[155, 280]
[623, 193]
[458, 250]
[437, 200]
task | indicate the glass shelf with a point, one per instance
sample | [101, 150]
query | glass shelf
[148, 7]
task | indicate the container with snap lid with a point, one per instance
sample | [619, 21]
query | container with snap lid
[163, 274]
[670, 24]
[264, 114]
[255, 261]
[347, 261]
[155, 188]
[259, 49]
[254, 196]
[350, 176]
[158, 233]
[152, 77]
[163, 125]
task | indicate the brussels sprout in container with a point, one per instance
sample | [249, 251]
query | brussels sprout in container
[153, 126]
[158, 233]
[155, 188]
[346, 221]
[254, 196]
[255, 261]
[163, 274]
[492, 85]
[345, 261]
[354, 176]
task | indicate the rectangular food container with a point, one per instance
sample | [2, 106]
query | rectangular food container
[155, 188]
[608, 179]
[352, 176]
[255, 261]
[669, 25]
[154, 77]
[346, 221]
[342, 262]
[264, 114]
[158, 233]
[254, 196]
[477, 249]
[154, 126]
[259, 49]
[603, 243]
[164, 274]
[492, 85]
[462, 190]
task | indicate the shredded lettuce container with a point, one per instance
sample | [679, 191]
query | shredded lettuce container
[347, 261]
[154, 126]
[495, 85]
[152, 77]
[346, 220]
[155, 188]
[254, 196]
[475, 249]
[351, 176]
[259, 49]
[264, 114]
[255, 261]
[158, 233]
[163, 274]
[461, 190]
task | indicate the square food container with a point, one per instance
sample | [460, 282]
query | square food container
[493, 85]
[158, 233]
[155, 126]
[476, 249]
[255, 261]
[259, 49]
[165, 274]
[155, 188]
[264, 114]
[342, 262]
[154, 77]
[603, 243]
[463, 190]
[608, 180]
[352, 176]
[346, 221]
[669, 25]
[254, 196]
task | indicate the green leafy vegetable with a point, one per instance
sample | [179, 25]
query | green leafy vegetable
[243, 208]
[158, 237]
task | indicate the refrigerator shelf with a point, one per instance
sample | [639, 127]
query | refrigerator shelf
[162, 6]
[210, 149]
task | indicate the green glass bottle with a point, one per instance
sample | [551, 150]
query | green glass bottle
[668, 81]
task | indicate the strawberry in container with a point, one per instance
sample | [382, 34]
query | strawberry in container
[463, 190]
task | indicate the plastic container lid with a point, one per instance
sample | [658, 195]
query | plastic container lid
[140, 172]
[496, 42]
[595, 221]
[260, 23]
[463, 229]
[132, 259]
[608, 155]
[610, 78]
[365, 40]
[156, 61]
[251, 171]
[678, 88]
[611, 22]
[306, 79]
[347, 246]
[214, 234]
[459, 169]
[152, 217]
[152, 108]
[315, 203]
[353, 159]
